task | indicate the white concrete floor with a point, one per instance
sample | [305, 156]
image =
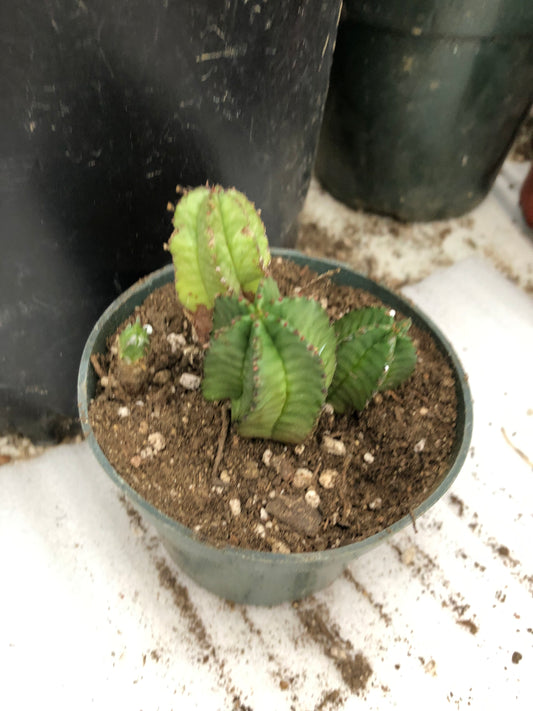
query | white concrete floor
[404, 253]
[94, 616]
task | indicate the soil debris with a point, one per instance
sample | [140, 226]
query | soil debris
[470, 626]
[353, 666]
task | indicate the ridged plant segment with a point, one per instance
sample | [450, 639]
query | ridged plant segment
[374, 354]
[218, 246]
[274, 359]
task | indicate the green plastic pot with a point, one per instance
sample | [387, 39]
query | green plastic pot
[248, 576]
[424, 102]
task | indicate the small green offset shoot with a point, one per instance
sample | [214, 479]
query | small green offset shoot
[134, 343]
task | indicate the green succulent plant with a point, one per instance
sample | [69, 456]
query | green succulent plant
[134, 343]
[274, 359]
[374, 354]
[218, 246]
[278, 360]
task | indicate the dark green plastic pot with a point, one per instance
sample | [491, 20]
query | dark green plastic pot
[424, 102]
[248, 576]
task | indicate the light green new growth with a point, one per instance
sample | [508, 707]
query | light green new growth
[274, 358]
[218, 246]
[134, 342]
[373, 353]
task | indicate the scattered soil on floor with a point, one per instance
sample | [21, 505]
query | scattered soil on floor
[367, 470]
[470, 626]
[353, 666]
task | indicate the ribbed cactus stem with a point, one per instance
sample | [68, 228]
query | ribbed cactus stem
[374, 354]
[274, 358]
[218, 246]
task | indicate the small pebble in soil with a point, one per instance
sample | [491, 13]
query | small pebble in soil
[176, 341]
[334, 446]
[157, 441]
[419, 446]
[423, 411]
[123, 411]
[399, 413]
[263, 514]
[147, 453]
[299, 449]
[312, 499]
[190, 381]
[375, 504]
[278, 546]
[302, 478]
[224, 476]
[260, 530]
[267, 457]
[235, 507]
[135, 461]
[328, 478]
[368, 457]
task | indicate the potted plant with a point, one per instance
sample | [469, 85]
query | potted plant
[344, 423]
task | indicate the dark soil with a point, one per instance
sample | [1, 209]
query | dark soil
[183, 456]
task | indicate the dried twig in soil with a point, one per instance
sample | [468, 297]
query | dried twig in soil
[221, 439]
[346, 505]
[320, 277]
[97, 367]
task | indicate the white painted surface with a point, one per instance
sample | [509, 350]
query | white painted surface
[85, 622]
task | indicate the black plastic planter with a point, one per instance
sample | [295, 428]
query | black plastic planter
[247, 576]
[424, 102]
[105, 107]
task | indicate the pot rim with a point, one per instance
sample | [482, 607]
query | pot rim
[163, 276]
